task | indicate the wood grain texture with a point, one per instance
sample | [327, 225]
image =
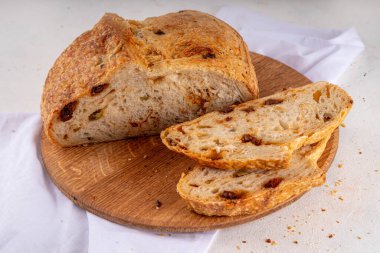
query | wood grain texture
[122, 181]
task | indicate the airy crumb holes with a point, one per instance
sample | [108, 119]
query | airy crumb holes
[241, 172]
[171, 142]
[215, 155]
[229, 195]
[96, 115]
[180, 129]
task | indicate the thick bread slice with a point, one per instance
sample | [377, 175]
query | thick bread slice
[128, 78]
[212, 191]
[263, 133]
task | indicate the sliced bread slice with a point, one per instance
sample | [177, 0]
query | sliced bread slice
[262, 133]
[217, 192]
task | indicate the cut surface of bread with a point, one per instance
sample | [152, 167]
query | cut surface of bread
[263, 133]
[211, 191]
[129, 78]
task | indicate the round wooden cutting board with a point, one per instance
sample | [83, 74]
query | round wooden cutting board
[122, 181]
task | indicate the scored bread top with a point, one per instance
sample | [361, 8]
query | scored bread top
[263, 133]
[183, 40]
[212, 191]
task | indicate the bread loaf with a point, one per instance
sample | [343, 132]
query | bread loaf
[218, 192]
[263, 133]
[129, 78]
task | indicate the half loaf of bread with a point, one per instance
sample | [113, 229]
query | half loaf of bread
[129, 78]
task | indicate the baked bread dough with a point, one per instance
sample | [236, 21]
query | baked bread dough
[216, 192]
[128, 78]
[263, 133]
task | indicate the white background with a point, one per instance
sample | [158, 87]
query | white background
[33, 33]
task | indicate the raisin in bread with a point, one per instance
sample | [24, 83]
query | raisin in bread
[263, 133]
[128, 78]
[212, 191]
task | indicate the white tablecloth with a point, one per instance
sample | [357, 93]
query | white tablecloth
[36, 217]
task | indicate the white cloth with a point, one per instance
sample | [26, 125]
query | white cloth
[36, 217]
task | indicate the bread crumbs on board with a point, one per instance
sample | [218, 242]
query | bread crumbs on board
[331, 236]
[338, 183]
[340, 165]
[291, 229]
[158, 204]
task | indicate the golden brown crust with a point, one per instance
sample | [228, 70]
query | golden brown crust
[188, 39]
[251, 204]
[225, 164]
